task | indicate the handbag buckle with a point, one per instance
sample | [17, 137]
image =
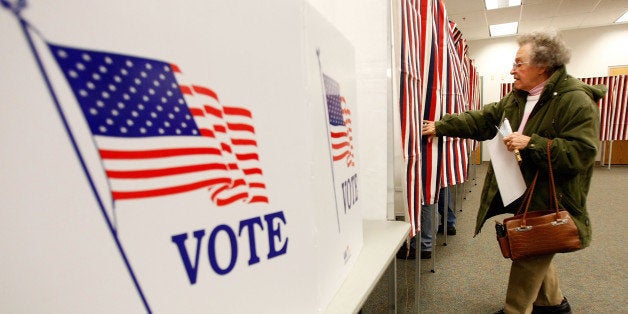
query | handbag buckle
[559, 222]
[523, 228]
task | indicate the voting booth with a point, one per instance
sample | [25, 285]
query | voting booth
[166, 157]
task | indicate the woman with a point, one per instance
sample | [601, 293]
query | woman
[546, 104]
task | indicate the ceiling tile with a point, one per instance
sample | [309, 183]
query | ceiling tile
[531, 26]
[567, 21]
[568, 7]
[526, 2]
[505, 15]
[473, 19]
[475, 33]
[621, 5]
[460, 7]
[598, 19]
[538, 11]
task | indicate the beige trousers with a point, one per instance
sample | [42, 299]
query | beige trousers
[532, 281]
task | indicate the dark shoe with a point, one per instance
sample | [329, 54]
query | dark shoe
[500, 312]
[450, 230]
[426, 254]
[412, 254]
[404, 253]
[562, 308]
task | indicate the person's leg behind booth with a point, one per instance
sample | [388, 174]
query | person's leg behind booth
[406, 252]
[427, 211]
[445, 193]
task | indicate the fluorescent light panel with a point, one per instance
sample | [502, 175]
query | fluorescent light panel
[498, 4]
[623, 18]
[503, 29]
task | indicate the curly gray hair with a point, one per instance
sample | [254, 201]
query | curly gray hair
[547, 49]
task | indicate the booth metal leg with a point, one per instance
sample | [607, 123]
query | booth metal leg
[392, 287]
[434, 230]
[446, 197]
[417, 278]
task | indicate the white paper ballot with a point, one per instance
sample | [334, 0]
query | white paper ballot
[509, 178]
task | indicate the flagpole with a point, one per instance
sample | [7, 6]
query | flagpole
[16, 9]
[331, 162]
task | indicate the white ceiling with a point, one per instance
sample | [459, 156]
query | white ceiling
[473, 19]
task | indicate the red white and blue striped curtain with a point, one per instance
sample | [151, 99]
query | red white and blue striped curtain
[505, 89]
[474, 95]
[436, 78]
[618, 117]
[410, 107]
[433, 69]
[604, 103]
[454, 155]
[613, 107]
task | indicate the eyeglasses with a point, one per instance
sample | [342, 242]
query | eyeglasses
[516, 65]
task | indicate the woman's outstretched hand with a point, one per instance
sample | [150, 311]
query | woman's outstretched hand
[428, 129]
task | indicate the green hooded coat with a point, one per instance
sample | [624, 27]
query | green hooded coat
[567, 114]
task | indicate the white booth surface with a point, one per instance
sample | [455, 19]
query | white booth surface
[175, 157]
[382, 239]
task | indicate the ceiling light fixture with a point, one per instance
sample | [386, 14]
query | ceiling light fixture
[503, 29]
[623, 18]
[498, 4]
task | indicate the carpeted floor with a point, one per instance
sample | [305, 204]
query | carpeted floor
[470, 275]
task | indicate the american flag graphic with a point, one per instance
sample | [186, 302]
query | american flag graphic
[340, 129]
[157, 135]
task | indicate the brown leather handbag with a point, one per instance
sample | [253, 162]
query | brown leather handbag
[538, 232]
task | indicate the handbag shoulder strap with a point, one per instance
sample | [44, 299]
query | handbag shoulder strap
[552, 186]
[527, 198]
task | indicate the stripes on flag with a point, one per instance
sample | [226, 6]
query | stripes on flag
[156, 137]
[232, 128]
[340, 124]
